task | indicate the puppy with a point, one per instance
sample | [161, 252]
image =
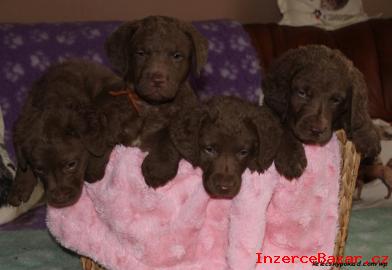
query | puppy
[224, 137]
[315, 91]
[57, 137]
[155, 56]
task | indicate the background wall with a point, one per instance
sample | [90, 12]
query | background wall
[82, 10]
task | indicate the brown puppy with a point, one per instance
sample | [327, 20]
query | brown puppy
[315, 91]
[224, 137]
[154, 56]
[58, 137]
[57, 153]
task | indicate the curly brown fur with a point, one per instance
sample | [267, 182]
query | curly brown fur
[121, 120]
[154, 56]
[315, 91]
[58, 137]
[224, 137]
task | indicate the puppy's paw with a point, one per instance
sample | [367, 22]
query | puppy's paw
[19, 194]
[157, 172]
[22, 187]
[367, 142]
[368, 149]
[96, 167]
[95, 174]
[291, 161]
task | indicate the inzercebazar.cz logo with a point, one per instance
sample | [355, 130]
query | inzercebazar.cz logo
[322, 259]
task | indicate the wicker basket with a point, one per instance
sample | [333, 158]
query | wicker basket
[349, 171]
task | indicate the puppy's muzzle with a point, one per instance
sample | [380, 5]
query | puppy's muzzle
[63, 196]
[223, 185]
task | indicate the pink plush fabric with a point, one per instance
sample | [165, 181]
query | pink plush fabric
[123, 224]
[303, 214]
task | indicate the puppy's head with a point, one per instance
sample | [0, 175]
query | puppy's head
[316, 90]
[316, 102]
[224, 138]
[60, 163]
[156, 55]
[224, 155]
[55, 148]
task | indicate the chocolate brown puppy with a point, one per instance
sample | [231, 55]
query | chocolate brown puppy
[315, 90]
[154, 56]
[58, 137]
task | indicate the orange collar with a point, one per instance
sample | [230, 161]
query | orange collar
[132, 97]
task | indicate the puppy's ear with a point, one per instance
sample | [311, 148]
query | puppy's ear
[118, 43]
[269, 133]
[277, 83]
[200, 47]
[357, 121]
[185, 131]
[90, 127]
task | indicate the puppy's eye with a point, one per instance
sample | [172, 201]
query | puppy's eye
[140, 53]
[177, 56]
[243, 153]
[71, 165]
[336, 100]
[210, 150]
[301, 93]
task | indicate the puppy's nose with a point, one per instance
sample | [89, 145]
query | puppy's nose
[157, 78]
[226, 186]
[318, 129]
[224, 182]
[62, 194]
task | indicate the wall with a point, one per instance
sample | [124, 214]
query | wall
[82, 10]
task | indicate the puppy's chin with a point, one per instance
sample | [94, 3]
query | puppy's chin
[219, 193]
[307, 137]
[61, 203]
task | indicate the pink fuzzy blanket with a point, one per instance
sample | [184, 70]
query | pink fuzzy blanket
[122, 224]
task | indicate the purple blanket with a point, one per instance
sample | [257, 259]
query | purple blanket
[26, 51]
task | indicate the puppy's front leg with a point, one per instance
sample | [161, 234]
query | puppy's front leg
[290, 160]
[161, 164]
[22, 187]
[366, 141]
